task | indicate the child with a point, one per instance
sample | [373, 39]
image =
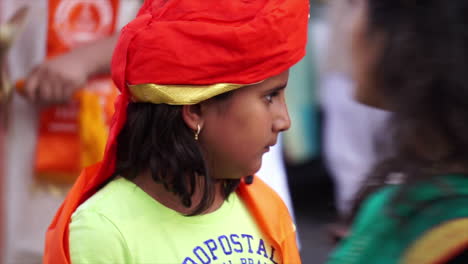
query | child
[202, 100]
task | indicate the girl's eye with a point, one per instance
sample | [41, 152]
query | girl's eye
[270, 97]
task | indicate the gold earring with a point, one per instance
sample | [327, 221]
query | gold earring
[198, 131]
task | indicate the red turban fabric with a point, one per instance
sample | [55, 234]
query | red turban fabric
[211, 41]
[192, 43]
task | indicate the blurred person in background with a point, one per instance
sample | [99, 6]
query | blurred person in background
[410, 57]
[349, 127]
[80, 49]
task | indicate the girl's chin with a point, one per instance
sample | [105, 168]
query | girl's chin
[256, 168]
[249, 170]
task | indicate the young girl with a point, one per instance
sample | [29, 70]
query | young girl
[410, 58]
[202, 100]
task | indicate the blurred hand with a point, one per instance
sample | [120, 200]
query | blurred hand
[55, 80]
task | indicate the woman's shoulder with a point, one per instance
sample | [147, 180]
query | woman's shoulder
[442, 192]
[439, 199]
[374, 207]
[424, 211]
[438, 220]
[445, 241]
[392, 226]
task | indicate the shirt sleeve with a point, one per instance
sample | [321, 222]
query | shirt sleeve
[96, 239]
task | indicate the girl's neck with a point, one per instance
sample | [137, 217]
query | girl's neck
[171, 200]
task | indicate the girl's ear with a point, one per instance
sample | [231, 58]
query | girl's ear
[192, 116]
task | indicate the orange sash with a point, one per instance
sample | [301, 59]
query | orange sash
[73, 136]
[273, 218]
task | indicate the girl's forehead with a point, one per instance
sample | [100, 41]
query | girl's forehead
[266, 86]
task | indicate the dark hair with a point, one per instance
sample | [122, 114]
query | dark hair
[422, 72]
[156, 138]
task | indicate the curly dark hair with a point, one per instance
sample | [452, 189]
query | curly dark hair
[156, 138]
[422, 71]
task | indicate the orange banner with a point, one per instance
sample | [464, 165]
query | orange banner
[73, 135]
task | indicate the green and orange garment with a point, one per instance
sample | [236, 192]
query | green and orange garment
[208, 47]
[429, 227]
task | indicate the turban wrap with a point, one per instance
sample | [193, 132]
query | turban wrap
[183, 52]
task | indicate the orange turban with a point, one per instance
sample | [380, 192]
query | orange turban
[192, 43]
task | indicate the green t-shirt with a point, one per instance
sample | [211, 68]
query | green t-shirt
[123, 224]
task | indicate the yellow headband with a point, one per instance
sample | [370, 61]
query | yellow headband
[178, 94]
